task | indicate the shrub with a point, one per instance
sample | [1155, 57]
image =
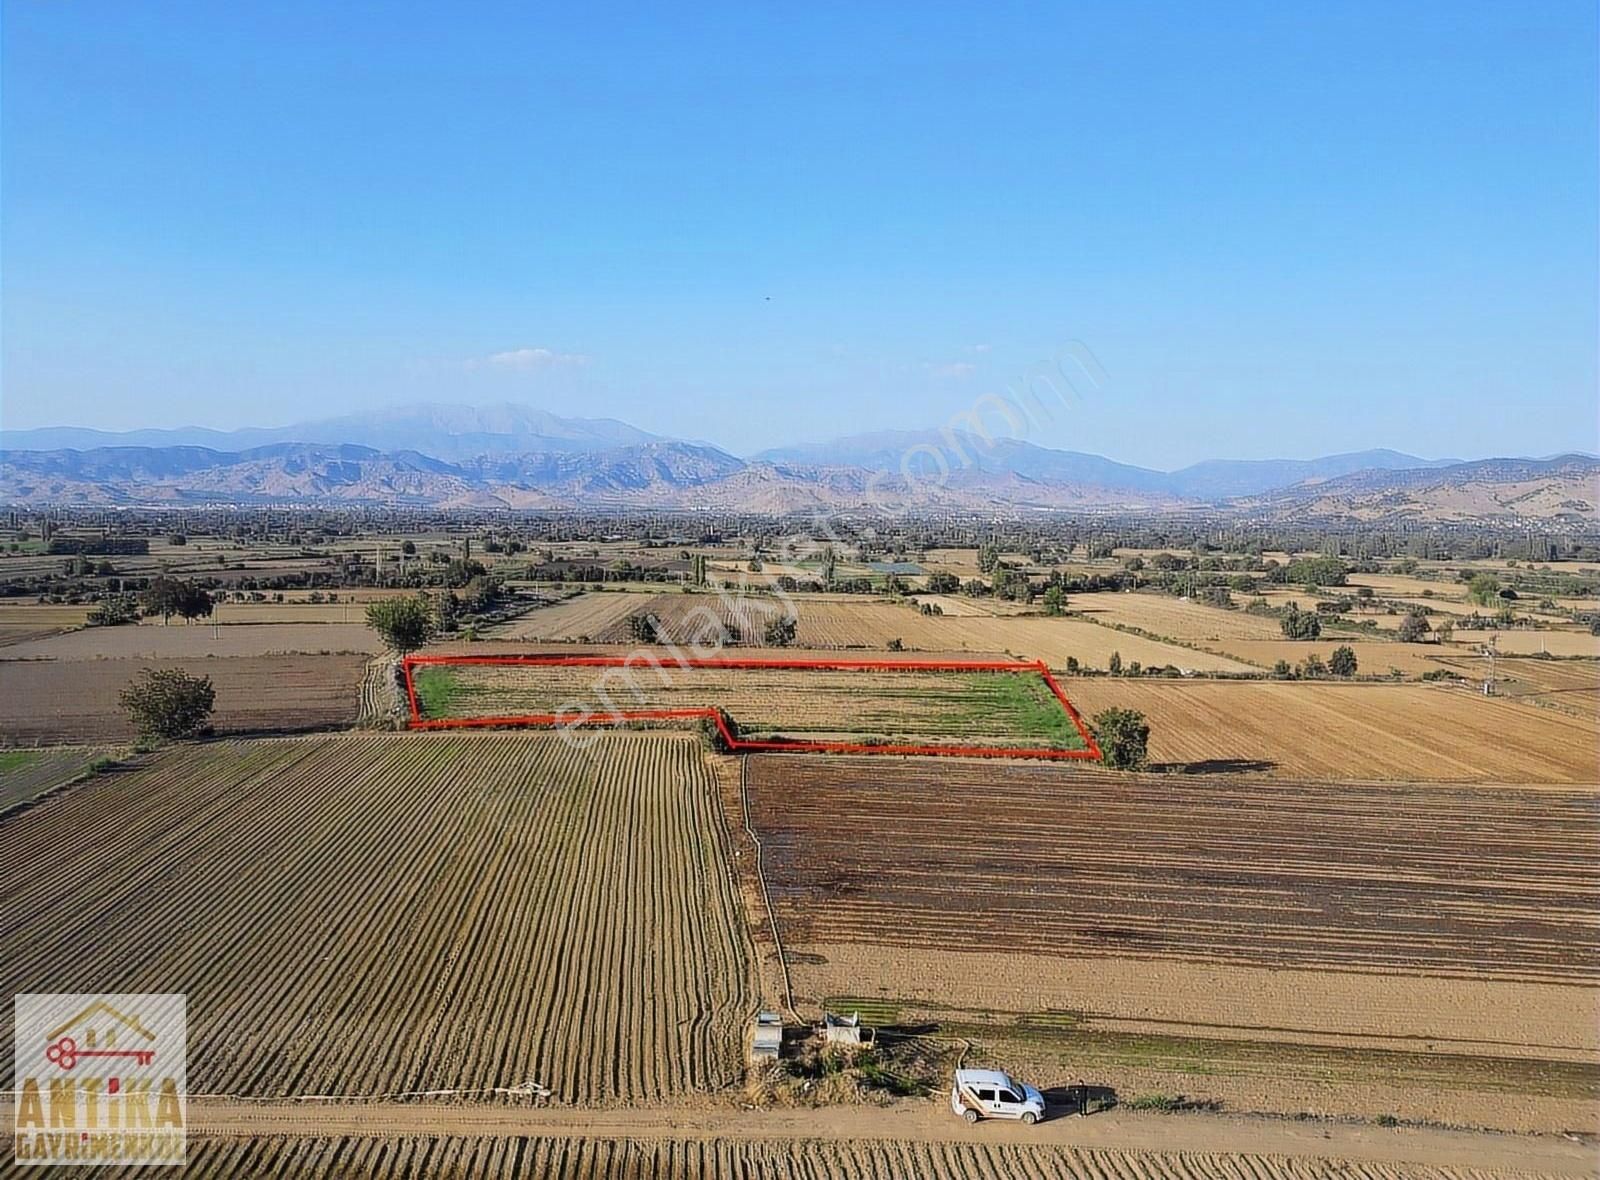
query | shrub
[169, 703]
[1343, 661]
[1124, 738]
[779, 632]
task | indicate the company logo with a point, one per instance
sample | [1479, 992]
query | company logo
[100, 1078]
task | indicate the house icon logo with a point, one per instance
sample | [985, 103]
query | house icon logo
[94, 1033]
[100, 1078]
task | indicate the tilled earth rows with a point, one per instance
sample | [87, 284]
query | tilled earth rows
[1452, 881]
[385, 914]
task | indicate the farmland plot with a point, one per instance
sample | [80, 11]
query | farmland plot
[1244, 872]
[1014, 707]
[725, 1158]
[852, 622]
[385, 914]
[1422, 950]
[1350, 731]
[199, 641]
[27, 774]
[76, 700]
[1174, 618]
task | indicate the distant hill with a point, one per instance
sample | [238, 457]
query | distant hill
[443, 431]
[514, 456]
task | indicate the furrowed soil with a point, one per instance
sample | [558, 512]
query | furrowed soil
[1350, 731]
[954, 708]
[721, 1152]
[27, 774]
[390, 914]
[77, 700]
[153, 641]
[1409, 949]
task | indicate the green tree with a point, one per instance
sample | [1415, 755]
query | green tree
[1313, 668]
[1282, 670]
[988, 558]
[1413, 627]
[1055, 601]
[1123, 736]
[168, 703]
[1484, 589]
[114, 611]
[1300, 624]
[779, 632]
[404, 624]
[645, 628]
[1114, 665]
[1343, 661]
[943, 583]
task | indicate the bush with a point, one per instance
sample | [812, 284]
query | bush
[1343, 661]
[1123, 736]
[779, 632]
[405, 624]
[114, 611]
[169, 703]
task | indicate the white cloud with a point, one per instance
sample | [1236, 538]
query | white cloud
[954, 371]
[980, 348]
[527, 360]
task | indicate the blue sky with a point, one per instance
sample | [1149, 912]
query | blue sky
[1282, 228]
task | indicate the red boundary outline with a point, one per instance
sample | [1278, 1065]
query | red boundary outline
[1090, 752]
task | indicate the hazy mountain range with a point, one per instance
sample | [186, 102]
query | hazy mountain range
[520, 458]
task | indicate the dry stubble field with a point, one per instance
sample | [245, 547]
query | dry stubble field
[381, 914]
[76, 700]
[1351, 731]
[856, 622]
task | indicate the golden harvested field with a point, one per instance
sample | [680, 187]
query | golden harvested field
[726, 1158]
[1423, 732]
[1572, 686]
[385, 914]
[198, 641]
[913, 707]
[76, 700]
[592, 615]
[1528, 643]
[854, 622]
[1175, 618]
[24, 620]
[1374, 657]
[1407, 586]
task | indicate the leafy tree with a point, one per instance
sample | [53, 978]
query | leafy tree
[169, 703]
[1313, 667]
[645, 628]
[1282, 670]
[1055, 600]
[1484, 589]
[1343, 661]
[943, 583]
[171, 596]
[1114, 665]
[897, 644]
[1316, 571]
[405, 624]
[114, 611]
[1299, 624]
[409, 548]
[1413, 627]
[779, 632]
[988, 558]
[1123, 736]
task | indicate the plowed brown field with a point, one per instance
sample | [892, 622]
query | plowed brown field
[388, 914]
[743, 1159]
[1422, 879]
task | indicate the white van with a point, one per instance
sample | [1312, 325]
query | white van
[991, 1094]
